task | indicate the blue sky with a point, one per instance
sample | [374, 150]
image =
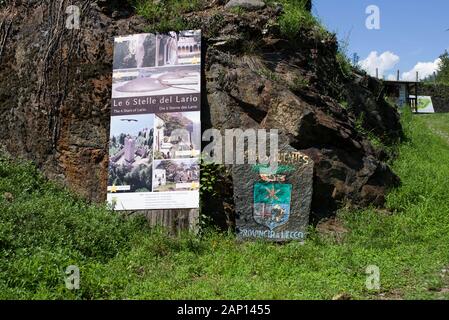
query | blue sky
[411, 32]
[144, 121]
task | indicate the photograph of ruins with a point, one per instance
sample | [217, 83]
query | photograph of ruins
[149, 65]
[176, 175]
[177, 135]
[131, 153]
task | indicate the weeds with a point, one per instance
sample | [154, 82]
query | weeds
[165, 15]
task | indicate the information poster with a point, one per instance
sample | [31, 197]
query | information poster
[425, 104]
[155, 133]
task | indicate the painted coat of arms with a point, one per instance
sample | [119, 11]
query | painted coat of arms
[272, 204]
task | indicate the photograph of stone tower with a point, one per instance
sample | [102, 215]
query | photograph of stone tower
[131, 150]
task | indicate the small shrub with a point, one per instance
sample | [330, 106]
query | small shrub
[165, 14]
[344, 104]
[238, 10]
[266, 73]
[344, 64]
[299, 83]
[212, 180]
[295, 17]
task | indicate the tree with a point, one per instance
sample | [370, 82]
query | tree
[443, 69]
[121, 139]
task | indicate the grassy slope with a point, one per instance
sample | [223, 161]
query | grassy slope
[44, 229]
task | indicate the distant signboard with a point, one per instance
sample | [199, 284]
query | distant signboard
[155, 135]
[425, 104]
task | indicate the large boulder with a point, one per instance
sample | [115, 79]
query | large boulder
[55, 89]
[347, 167]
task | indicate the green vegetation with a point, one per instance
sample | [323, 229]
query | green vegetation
[211, 176]
[165, 15]
[344, 104]
[270, 75]
[442, 73]
[212, 182]
[442, 76]
[343, 60]
[372, 137]
[44, 229]
[295, 17]
[344, 64]
[238, 10]
[299, 83]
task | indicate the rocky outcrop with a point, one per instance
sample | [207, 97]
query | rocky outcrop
[55, 95]
[365, 96]
[245, 4]
[295, 87]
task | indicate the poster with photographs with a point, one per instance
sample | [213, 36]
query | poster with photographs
[155, 134]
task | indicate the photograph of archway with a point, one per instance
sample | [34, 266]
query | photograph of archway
[149, 64]
[176, 175]
[177, 135]
[131, 153]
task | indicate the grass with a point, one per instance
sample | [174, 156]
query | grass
[295, 16]
[299, 83]
[270, 75]
[165, 15]
[344, 64]
[44, 229]
[438, 125]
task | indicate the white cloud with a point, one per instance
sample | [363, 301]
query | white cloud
[384, 62]
[388, 60]
[424, 69]
[391, 77]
